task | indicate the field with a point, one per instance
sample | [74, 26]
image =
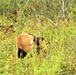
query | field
[55, 20]
[60, 47]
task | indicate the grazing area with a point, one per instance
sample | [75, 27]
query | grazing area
[58, 53]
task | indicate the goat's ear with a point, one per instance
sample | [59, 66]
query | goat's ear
[43, 38]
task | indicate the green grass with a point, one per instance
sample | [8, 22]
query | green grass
[60, 57]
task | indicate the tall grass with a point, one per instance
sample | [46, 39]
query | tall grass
[60, 56]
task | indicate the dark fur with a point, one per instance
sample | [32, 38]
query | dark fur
[38, 44]
[21, 53]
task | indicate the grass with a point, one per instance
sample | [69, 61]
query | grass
[60, 57]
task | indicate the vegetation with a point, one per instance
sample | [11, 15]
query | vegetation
[52, 19]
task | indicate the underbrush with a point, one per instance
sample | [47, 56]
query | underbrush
[60, 48]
